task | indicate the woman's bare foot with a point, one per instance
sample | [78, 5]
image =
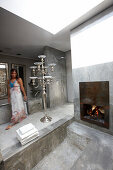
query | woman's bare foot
[8, 127]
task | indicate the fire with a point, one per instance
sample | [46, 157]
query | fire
[96, 111]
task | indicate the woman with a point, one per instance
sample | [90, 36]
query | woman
[15, 86]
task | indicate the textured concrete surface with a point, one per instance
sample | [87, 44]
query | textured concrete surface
[101, 72]
[34, 105]
[70, 89]
[8, 138]
[5, 114]
[84, 148]
[62, 158]
[28, 156]
[98, 154]
[57, 92]
[16, 155]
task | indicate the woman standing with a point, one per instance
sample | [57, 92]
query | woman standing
[15, 86]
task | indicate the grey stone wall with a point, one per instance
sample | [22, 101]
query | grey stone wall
[57, 92]
[101, 72]
[70, 95]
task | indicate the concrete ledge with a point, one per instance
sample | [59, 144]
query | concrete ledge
[5, 110]
[34, 105]
[5, 113]
[77, 139]
[26, 157]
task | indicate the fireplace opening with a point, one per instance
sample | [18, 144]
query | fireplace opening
[93, 112]
[94, 102]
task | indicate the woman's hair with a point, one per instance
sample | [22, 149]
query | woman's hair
[12, 70]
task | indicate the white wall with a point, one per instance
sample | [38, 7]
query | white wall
[92, 45]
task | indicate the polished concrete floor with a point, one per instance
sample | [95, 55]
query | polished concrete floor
[8, 137]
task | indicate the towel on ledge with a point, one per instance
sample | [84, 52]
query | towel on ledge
[24, 129]
[27, 133]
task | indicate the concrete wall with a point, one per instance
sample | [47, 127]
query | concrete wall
[57, 92]
[100, 72]
[70, 95]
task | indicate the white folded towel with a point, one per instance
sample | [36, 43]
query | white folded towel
[29, 139]
[24, 129]
[24, 136]
[27, 133]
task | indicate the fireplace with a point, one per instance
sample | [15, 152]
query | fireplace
[94, 102]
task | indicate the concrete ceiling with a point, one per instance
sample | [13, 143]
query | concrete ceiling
[18, 36]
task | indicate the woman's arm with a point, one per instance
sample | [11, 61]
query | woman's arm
[8, 92]
[22, 88]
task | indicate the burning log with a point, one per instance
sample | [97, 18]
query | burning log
[96, 111]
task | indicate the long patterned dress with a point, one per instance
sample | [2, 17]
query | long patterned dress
[17, 104]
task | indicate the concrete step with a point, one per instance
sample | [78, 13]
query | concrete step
[98, 154]
[77, 136]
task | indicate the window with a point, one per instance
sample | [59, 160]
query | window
[92, 45]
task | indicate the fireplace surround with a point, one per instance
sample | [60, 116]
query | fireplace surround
[94, 102]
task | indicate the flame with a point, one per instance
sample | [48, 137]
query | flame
[93, 107]
[97, 112]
